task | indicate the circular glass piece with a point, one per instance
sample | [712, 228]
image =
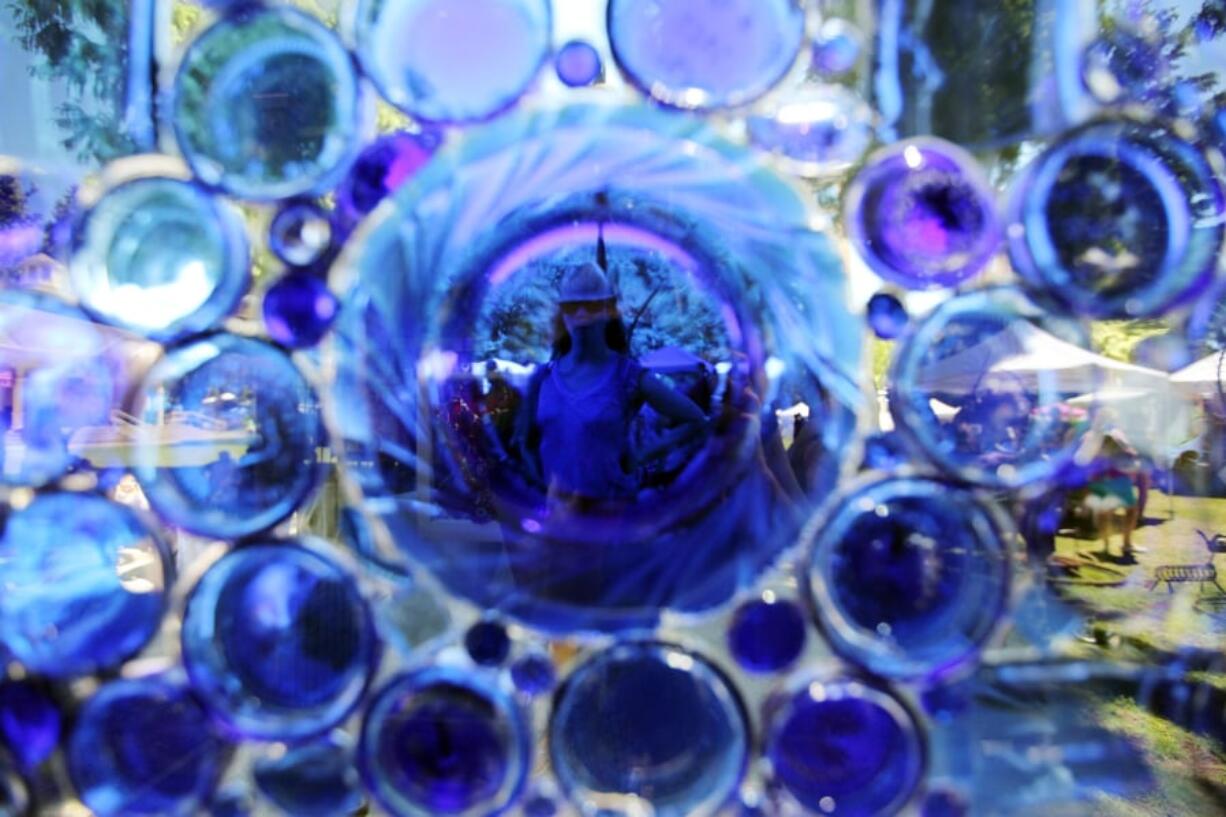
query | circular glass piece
[908, 577]
[886, 315]
[380, 170]
[980, 386]
[29, 722]
[651, 722]
[66, 375]
[229, 438]
[144, 747]
[845, 749]
[444, 741]
[578, 63]
[300, 233]
[1117, 219]
[487, 643]
[921, 214]
[314, 780]
[160, 257]
[815, 130]
[766, 635]
[278, 640]
[705, 53]
[441, 61]
[84, 584]
[299, 309]
[266, 104]
[533, 674]
[837, 48]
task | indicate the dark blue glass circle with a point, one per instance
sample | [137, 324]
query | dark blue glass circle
[578, 63]
[267, 105]
[845, 749]
[699, 54]
[380, 169]
[29, 723]
[300, 233]
[84, 583]
[314, 780]
[444, 741]
[160, 257]
[144, 747]
[278, 641]
[886, 315]
[440, 61]
[836, 48]
[908, 577]
[921, 214]
[298, 310]
[229, 442]
[533, 674]
[1118, 219]
[766, 635]
[649, 721]
[487, 643]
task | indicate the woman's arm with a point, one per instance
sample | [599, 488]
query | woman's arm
[674, 405]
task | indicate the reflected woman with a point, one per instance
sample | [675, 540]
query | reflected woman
[574, 429]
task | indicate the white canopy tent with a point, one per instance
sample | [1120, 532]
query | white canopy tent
[1201, 379]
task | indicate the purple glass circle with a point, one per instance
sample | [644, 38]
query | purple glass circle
[578, 63]
[766, 635]
[886, 315]
[487, 643]
[922, 215]
[702, 54]
[380, 170]
[298, 310]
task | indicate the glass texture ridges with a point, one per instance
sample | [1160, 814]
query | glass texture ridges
[766, 635]
[85, 584]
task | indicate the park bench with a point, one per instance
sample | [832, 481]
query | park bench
[1203, 573]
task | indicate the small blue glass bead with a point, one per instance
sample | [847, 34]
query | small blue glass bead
[300, 233]
[944, 803]
[143, 747]
[540, 806]
[533, 674]
[299, 310]
[845, 749]
[30, 723]
[766, 636]
[380, 170]
[886, 315]
[84, 584]
[230, 439]
[315, 780]
[444, 741]
[836, 48]
[578, 63]
[649, 721]
[487, 643]
[278, 641]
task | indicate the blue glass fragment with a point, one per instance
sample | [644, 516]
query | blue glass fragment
[300, 233]
[278, 641]
[578, 63]
[144, 747]
[29, 722]
[230, 439]
[766, 635]
[837, 48]
[886, 315]
[299, 310]
[487, 643]
[533, 674]
[380, 169]
[314, 780]
[85, 584]
[444, 741]
[653, 722]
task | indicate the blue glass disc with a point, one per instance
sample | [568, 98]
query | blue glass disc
[84, 584]
[229, 442]
[300, 233]
[29, 722]
[444, 741]
[837, 48]
[815, 130]
[160, 257]
[266, 105]
[705, 53]
[144, 747]
[70, 379]
[886, 315]
[1118, 219]
[653, 722]
[921, 214]
[313, 780]
[845, 749]
[533, 674]
[441, 61]
[908, 577]
[278, 641]
[298, 309]
[487, 643]
[578, 63]
[766, 635]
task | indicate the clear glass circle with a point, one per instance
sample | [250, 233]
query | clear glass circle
[278, 640]
[267, 105]
[229, 439]
[442, 740]
[908, 577]
[85, 584]
[649, 722]
[815, 130]
[160, 257]
[441, 61]
[300, 233]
